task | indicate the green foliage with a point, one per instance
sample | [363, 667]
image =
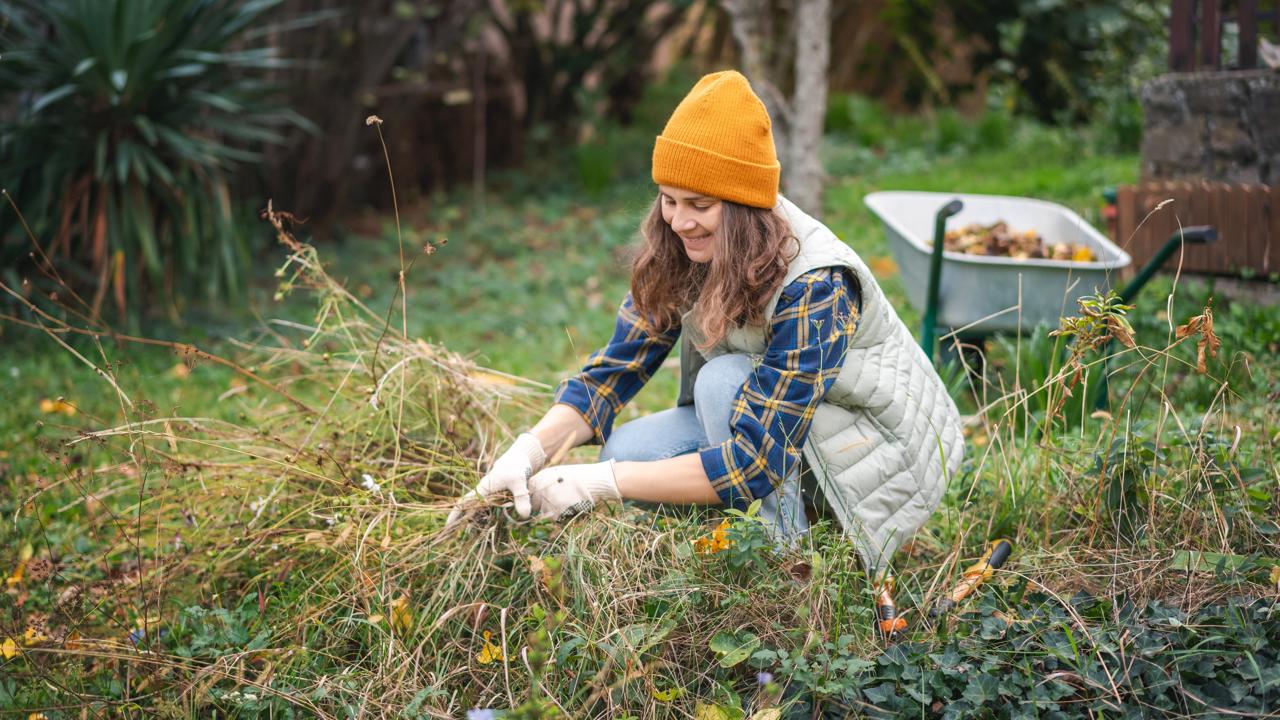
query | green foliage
[1029, 658]
[128, 117]
[863, 119]
[1063, 60]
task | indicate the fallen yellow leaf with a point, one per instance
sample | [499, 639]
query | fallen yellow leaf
[401, 616]
[883, 266]
[666, 695]
[375, 619]
[49, 407]
[706, 711]
[16, 576]
[180, 371]
[33, 636]
[9, 648]
[489, 652]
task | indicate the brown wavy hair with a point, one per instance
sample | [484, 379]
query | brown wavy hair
[753, 248]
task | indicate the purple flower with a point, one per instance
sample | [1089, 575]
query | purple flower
[764, 678]
[482, 714]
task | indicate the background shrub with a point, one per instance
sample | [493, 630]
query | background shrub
[128, 116]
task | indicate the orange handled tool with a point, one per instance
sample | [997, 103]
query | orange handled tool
[976, 574]
[889, 622]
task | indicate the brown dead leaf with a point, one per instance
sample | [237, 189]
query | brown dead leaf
[1208, 344]
[1121, 331]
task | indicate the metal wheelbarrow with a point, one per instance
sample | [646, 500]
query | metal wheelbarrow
[973, 296]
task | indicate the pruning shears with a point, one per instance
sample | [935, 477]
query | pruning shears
[973, 576]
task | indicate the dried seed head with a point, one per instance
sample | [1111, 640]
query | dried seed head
[372, 120]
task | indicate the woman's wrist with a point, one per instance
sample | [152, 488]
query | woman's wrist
[679, 480]
[561, 429]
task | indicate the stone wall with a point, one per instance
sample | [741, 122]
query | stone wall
[1215, 126]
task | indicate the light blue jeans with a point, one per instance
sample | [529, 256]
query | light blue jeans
[705, 424]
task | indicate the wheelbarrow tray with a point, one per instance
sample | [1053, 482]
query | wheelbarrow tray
[980, 294]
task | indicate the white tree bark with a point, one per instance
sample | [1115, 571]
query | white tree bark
[798, 120]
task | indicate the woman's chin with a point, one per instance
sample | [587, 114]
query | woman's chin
[700, 255]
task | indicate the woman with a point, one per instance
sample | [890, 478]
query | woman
[791, 357]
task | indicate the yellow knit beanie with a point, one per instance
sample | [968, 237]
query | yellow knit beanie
[719, 142]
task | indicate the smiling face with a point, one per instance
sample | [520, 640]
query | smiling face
[694, 217]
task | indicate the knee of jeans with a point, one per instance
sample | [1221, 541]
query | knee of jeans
[720, 379]
[624, 446]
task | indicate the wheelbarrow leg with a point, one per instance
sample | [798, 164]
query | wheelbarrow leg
[927, 328]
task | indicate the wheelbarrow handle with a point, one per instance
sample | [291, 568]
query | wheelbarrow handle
[1196, 235]
[935, 274]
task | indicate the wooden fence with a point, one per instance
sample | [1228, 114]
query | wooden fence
[1196, 32]
[1247, 217]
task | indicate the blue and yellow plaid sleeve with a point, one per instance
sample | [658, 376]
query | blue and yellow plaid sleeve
[616, 372]
[808, 338]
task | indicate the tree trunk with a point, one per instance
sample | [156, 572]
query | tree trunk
[763, 47]
[803, 177]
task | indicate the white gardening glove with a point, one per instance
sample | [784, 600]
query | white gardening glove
[563, 491]
[510, 472]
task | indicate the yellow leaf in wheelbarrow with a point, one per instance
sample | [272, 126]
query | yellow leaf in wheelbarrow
[401, 615]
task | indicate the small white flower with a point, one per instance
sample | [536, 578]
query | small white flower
[370, 484]
[14, 371]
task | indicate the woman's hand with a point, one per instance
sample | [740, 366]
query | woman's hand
[563, 491]
[510, 472]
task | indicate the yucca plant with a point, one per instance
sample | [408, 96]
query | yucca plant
[122, 122]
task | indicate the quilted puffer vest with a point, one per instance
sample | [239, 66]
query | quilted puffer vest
[887, 435]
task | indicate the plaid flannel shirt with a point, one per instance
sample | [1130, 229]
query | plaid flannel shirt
[815, 317]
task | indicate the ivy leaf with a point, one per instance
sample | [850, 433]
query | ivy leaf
[733, 649]
[980, 690]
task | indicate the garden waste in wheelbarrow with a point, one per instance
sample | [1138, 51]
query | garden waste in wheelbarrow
[978, 294]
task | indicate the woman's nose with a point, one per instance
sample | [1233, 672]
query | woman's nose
[683, 223]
